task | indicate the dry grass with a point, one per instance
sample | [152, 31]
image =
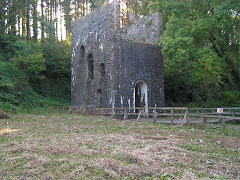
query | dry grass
[64, 146]
[7, 130]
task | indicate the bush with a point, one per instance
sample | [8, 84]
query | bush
[3, 115]
[33, 75]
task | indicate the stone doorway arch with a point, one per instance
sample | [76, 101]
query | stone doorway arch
[99, 98]
[141, 95]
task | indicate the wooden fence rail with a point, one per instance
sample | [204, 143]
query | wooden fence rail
[202, 116]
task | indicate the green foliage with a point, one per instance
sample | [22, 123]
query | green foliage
[231, 97]
[33, 65]
[28, 72]
[149, 23]
[139, 7]
[200, 45]
[58, 64]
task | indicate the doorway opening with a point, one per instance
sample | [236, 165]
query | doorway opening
[141, 96]
[99, 98]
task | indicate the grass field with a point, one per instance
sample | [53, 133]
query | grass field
[67, 146]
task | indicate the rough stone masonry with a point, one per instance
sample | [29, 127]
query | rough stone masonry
[114, 66]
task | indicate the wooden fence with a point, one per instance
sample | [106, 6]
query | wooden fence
[172, 115]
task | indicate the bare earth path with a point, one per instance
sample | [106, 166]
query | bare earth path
[63, 146]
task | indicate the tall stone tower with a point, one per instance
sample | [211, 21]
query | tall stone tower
[113, 66]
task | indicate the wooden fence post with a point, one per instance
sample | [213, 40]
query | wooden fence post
[223, 124]
[155, 114]
[234, 115]
[172, 115]
[139, 113]
[125, 114]
[187, 116]
[113, 112]
[203, 121]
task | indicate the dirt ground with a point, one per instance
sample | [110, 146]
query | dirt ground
[67, 146]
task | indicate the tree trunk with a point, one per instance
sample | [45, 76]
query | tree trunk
[2, 15]
[56, 19]
[35, 27]
[28, 19]
[12, 17]
[23, 25]
[42, 21]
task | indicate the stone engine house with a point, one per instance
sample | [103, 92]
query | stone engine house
[114, 66]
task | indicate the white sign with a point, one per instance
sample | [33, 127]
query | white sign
[219, 110]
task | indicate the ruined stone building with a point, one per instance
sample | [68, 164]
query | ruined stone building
[114, 66]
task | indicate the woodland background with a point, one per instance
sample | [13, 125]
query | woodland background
[200, 45]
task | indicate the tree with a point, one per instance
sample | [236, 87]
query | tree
[28, 18]
[3, 5]
[67, 16]
[12, 16]
[42, 21]
[35, 20]
[201, 48]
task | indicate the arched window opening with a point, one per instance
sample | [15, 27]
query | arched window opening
[99, 98]
[102, 70]
[82, 52]
[90, 67]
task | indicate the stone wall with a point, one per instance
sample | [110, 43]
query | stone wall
[146, 29]
[97, 33]
[98, 37]
[139, 62]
